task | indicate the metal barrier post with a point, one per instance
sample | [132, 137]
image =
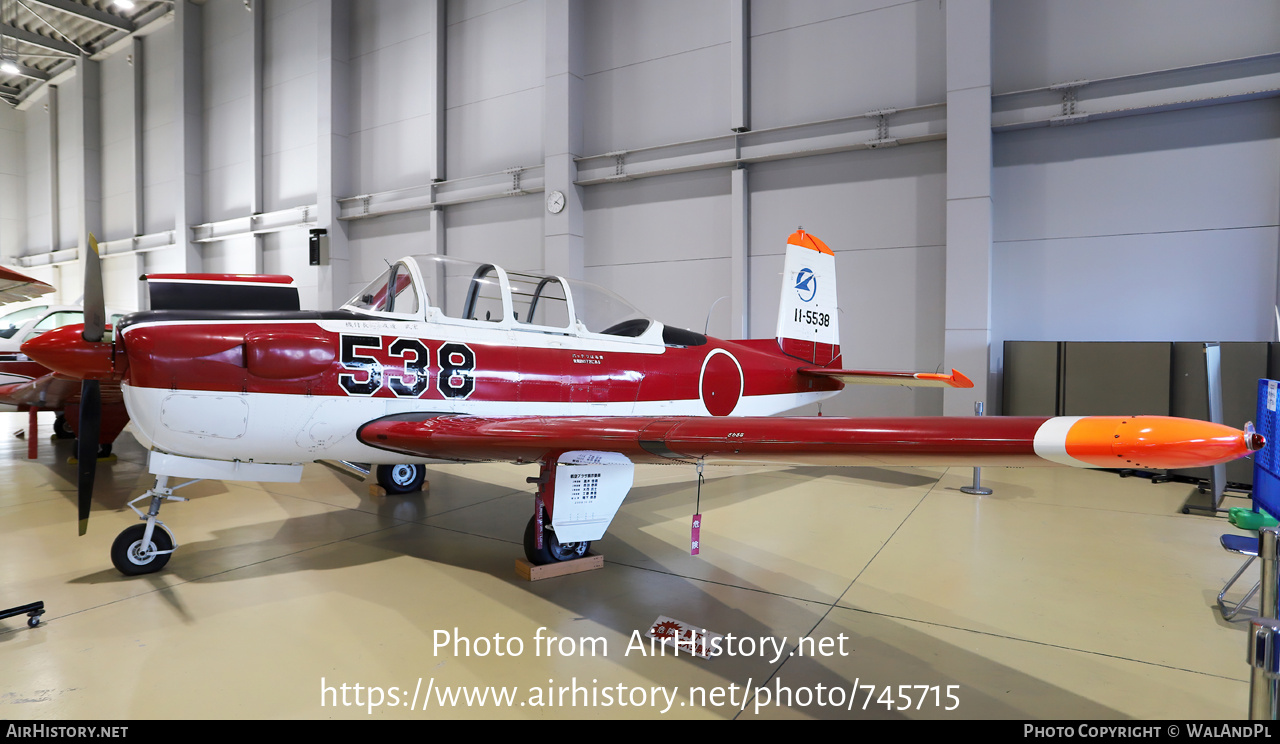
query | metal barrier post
[976, 488]
[1264, 636]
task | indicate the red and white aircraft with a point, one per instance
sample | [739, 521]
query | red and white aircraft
[446, 360]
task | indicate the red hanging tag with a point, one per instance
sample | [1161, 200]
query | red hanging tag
[695, 535]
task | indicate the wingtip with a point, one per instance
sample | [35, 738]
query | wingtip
[959, 380]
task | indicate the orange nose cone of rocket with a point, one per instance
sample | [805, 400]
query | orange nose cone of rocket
[1158, 442]
[65, 351]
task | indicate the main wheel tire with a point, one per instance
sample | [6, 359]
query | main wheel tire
[62, 429]
[130, 557]
[401, 478]
[104, 451]
[552, 550]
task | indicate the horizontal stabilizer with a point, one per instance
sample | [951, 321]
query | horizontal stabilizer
[906, 379]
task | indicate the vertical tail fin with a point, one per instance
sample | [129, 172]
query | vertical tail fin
[808, 320]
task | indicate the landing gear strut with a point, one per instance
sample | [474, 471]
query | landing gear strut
[540, 544]
[145, 548]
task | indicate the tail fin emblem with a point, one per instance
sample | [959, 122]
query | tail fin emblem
[806, 285]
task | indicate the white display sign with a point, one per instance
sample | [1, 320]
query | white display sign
[590, 486]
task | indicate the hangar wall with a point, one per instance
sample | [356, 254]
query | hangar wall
[1155, 226]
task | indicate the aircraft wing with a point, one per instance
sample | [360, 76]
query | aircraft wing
[877, 377]
[1090, 441]
[16, 286]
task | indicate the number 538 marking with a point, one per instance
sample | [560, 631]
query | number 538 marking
[410, 362]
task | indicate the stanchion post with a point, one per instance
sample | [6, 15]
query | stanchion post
[1264, 638]
[976, 489]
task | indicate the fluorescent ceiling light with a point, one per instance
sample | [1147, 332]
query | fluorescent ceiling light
[123, 4]
[9, 66]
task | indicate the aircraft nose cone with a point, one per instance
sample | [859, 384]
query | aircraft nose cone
[65, 351]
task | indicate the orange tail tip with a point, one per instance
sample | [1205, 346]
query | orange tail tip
[805, 240]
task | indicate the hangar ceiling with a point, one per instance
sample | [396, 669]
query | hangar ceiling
[41, 38]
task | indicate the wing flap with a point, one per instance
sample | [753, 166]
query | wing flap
[878, 377]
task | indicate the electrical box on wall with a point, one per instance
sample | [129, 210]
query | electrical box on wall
[318, 246]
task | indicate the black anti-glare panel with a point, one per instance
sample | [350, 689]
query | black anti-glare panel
[194, 296]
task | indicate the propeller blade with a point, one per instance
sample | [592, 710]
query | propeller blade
[87, 446]
[95, 307]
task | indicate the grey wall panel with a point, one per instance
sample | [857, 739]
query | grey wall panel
[387, 23]
[1177, 286]
[890, 57]
[393, 156]
[463, 10]
[666, 219]
[234, 256]
[37, 178]
[290, 105]
[228, 191]
[285, 252]
[159, 133]
[392, 73]
[1181, 170]
[493, 135]
[117, 147]
[768, 17]
[495, 53]
[70, 163]
[290, 177]
[1038, 42]
[376, 241]
[13, 197]
[1031, 380]
[290, 43]
[624, 32]
[852, 201]
[658, 102]
[228, 111]
[494, 75]
[507, 232]
[120, 282]
[1116, 379]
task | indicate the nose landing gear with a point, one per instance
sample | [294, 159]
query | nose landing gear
[145, 548]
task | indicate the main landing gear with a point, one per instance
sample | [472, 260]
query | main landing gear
[397, 479]
[540, 544]
[145, 548]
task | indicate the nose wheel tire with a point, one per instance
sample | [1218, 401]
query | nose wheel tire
[552, 550]
[401, 478]
[132, 558]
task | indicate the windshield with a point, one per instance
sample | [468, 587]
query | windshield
[392, 292]
[9, 324]
[602, 311]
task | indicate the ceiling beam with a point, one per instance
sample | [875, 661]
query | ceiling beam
[31, 72]
[89, 14]
[8, 90]
[34, 39]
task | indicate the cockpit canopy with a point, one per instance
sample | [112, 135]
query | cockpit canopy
[453, 291]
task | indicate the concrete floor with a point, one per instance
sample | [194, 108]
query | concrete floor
[1067, 594]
